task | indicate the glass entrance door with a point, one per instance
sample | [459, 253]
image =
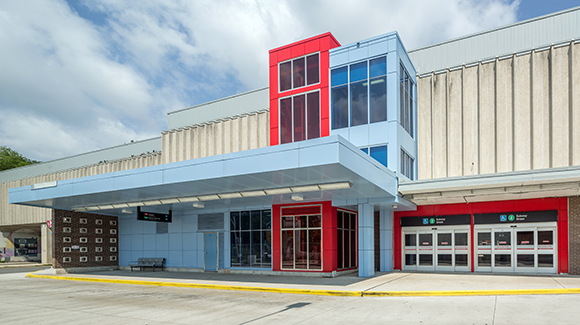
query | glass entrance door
[525, 248]
[439, 249]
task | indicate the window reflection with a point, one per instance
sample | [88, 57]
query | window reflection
[251, 239]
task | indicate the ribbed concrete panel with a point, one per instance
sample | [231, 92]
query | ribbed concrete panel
[575, 94]
[439, 116]
[522, 113]
[517, 113]
[225, 136]
[470, 121]
[424, 148]
[533, 33]
[487, 118]
[504, 116]
[560, 108]
[455, 121]
[541, 110]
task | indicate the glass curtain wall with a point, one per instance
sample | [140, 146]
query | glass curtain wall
[251, 239]
[359, 93]
[406, 100]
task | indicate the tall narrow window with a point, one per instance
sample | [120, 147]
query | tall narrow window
[313, 115]
[285, 76]
[378, 91]
[313, 68]
[406, 100]
[346, 239]
[298, 73]
[286, 120]
[300, 117]
[358, 94]
[339, 93]
[407, 165]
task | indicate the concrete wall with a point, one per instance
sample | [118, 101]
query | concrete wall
[248, 131]
[509, 114]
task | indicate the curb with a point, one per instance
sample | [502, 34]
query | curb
[337, 293]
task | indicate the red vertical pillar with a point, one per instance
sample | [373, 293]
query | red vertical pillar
[276, 238]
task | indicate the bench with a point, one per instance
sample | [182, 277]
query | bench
[147, 262]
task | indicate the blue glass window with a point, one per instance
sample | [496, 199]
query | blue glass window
[358, 71]
[365, 150]
[339, 76]
[378, 67]
[379, 154]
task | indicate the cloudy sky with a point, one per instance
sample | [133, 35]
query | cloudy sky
[77, 76]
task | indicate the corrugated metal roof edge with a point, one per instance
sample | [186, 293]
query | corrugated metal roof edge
[218, 100]
[497, 28]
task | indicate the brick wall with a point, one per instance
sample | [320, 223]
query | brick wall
[95, 235]
[574, 234]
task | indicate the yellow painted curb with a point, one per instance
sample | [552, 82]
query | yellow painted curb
[204, 286]
[340, 293]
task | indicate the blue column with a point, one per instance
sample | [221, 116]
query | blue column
[366, 240]
[386, 240]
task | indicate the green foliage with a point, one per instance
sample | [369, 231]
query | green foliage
[12, 159]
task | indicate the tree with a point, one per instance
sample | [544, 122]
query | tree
[12, 159]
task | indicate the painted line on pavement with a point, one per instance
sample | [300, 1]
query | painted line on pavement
[341, 293]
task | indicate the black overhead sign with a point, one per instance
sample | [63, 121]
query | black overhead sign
[515, 217]
[154, 216]
[462, 219]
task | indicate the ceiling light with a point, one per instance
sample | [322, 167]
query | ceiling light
[253, 193]
[335, 186]
[198, 205]
[395, 206]
[106, 207]
[274, 191]
[208, 197]
[120, 205]
[230, 195]
[152, 202]
[169, 201]
[134, 204]
[297, 197]
[92, 208]
[188, 199]
[128, 211]
[307, 188]
[79, 209]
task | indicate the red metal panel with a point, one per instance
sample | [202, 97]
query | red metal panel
[273, 82]
[298, 50]
[285, 54]
[472, 240]
[563, 204]
[274, 141]
[276, 239]
[491, 207]
[312, 46]
[397, 233]
[563, 245]
[273, 58]
[324, 68]
[450, 209]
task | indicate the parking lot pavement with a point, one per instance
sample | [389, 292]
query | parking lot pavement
[47, 301]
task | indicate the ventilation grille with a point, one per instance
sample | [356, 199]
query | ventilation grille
[211, 221]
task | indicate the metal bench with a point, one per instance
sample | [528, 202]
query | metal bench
[147, 262]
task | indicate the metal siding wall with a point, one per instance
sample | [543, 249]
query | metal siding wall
[511, 114]
[536, 33]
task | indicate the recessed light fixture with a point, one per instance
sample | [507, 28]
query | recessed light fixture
[127, 211]
[198, 205]
[297, 197]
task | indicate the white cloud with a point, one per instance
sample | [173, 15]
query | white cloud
[69, 85]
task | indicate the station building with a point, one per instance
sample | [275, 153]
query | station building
[459, 156]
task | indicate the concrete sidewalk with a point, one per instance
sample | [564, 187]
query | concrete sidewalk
[383, 284]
